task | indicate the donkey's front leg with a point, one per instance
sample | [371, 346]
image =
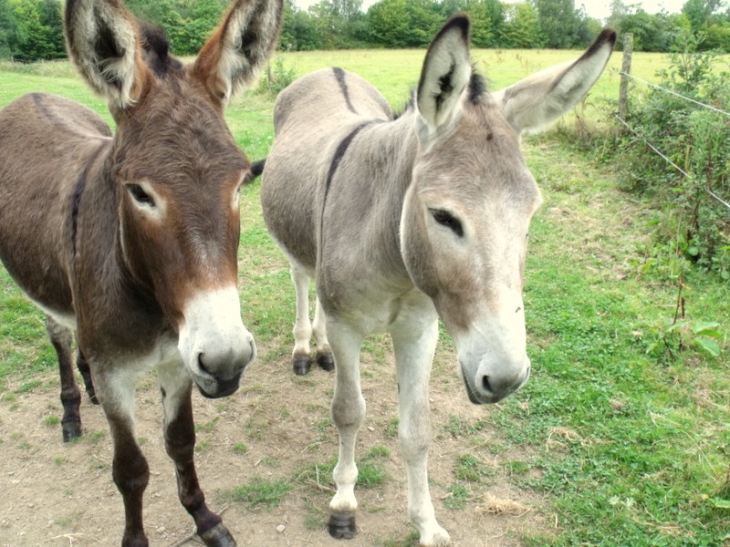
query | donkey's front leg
[176, 387]
[348, 412]
[414, 344]
[129, 467]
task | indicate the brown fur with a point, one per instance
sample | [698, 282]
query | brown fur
[119, 235]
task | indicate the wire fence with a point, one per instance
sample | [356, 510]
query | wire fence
[671, 92]
[654, 148]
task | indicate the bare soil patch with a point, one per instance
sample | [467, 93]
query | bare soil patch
[276, 426]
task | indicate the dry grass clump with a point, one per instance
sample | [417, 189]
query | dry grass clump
[497, 506]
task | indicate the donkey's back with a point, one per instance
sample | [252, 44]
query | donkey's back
[327, 98]
[67, 136]
[326, 106]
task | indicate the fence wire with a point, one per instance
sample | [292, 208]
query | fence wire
[654, 148]
[670, 92]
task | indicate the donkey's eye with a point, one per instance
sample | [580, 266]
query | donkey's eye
[447, 219]
[140, 195]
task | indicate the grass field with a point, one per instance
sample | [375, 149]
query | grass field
[623, 429]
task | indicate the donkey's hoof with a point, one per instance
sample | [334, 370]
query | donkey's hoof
[302, 365]
[326, 361]
[342, 526]
[218, 536]
[92, 397]
[71, 431]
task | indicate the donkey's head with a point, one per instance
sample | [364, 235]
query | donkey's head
[467, 213]
[175, 169]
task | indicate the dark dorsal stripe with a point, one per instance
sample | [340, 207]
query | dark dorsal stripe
[340, 75]
[43, 109]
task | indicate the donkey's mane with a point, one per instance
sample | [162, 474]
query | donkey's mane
[477, 90]
[157, 49]
[477, 87]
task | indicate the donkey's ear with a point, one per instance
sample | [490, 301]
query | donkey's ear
[240, 46]
[542, 98]
[102, 41]
[445, 73]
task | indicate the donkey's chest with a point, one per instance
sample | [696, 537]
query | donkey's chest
[376, 308]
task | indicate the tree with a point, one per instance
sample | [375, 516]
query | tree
[486, 17]
[198, 19]
[38, 30]
[387, 25]
[481, 25]
[618, 11]
[404, 23]
[188, 24]
[651, 32]
[424, 20]
[300, 32]
[699, 11]
[559, 23]
[8, 30]
[717, 37]
[521, 28]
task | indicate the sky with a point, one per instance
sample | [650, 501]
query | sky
[599, 9]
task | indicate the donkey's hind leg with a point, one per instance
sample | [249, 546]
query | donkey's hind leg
[61, 338]
[324, 352]
[301, 356]
[303, 329]
[176, 386]
[83, 365]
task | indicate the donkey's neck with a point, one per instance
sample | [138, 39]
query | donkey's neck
[387, 152]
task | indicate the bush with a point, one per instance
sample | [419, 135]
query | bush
[696, 139]
[276, 78]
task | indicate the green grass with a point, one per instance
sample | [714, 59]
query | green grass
[469, 468]
[628, 448]
[260, 492]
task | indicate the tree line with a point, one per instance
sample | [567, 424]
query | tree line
[33, 30]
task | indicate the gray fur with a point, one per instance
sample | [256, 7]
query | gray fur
[404, 221]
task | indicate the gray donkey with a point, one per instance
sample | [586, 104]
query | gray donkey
[405, 220]
[130, 239]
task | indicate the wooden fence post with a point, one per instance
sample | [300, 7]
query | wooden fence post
[623, 93]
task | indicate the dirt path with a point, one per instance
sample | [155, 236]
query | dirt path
[276, 427]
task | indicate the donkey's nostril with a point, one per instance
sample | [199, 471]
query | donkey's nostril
[485, 384]
[201, 364]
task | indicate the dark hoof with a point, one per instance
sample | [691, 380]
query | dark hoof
[342, 526]
[71, 431]
[135, 540]
[302, 365]
[218, 536]
[326, 361]
[92, 397]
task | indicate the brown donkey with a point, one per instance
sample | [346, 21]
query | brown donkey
[130, 239]
[406, 220]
